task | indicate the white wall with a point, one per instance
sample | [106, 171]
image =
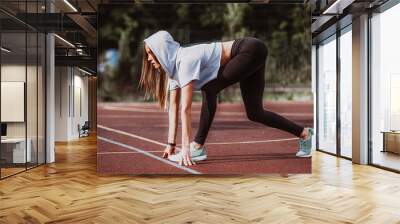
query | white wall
[61, 103]
[81, 100]
[71, 93]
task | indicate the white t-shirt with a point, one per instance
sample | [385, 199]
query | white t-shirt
[199, 62]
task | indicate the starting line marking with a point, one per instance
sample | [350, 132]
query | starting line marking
[148, 154]
[251, 142]
[159, 143]
[130, 135]
[107, 153]
[149, 110]
[212, 143]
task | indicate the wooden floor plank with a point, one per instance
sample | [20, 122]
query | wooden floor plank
[70, 191]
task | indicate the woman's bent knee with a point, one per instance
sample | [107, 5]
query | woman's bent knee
[254, 115]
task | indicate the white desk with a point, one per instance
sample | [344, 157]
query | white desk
[18, 150]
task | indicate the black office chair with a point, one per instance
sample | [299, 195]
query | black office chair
[84, 130]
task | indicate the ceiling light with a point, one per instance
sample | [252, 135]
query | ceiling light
[70, 5]
[79, 51]
[259, 1]
[64, 40]
[84, 71]
[5, 50]
[338, 6]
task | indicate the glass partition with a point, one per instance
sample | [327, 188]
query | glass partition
[22, 88]
[13, 105]
[327, 95]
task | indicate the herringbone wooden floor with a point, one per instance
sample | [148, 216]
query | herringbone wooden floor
[70, 191]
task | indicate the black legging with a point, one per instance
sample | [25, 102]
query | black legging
[247, 66]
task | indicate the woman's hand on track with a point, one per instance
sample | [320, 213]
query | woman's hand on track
[169, 150]
[185, 157]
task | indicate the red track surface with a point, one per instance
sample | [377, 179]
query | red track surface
[131, 138]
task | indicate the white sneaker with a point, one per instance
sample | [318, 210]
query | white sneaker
[195, 154]
[303, 154]
[305, 145]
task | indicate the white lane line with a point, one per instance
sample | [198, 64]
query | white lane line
[130, 135]
[131, 116]
[211, 143]
[145, 110]
[106, 153]
[149, 155]
[220, 143]
[132, 109]
[252, 142]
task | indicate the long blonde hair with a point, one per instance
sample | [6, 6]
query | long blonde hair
[154, 82]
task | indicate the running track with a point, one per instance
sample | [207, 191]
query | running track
[131, 138]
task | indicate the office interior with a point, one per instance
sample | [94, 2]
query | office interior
[48, 83]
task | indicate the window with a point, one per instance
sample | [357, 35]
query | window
[385, 87]
[346, 92]
[327, 95]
